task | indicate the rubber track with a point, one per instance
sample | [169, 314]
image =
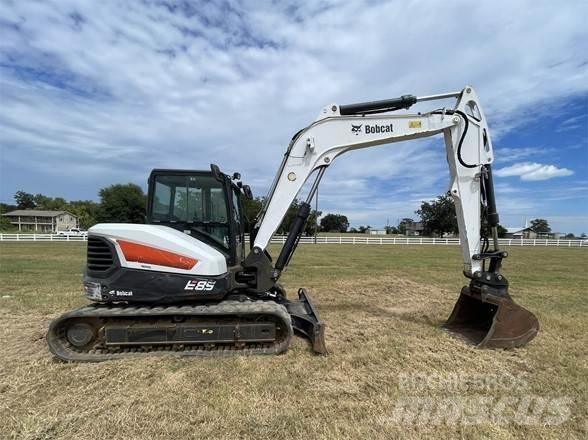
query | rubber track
[61, 348]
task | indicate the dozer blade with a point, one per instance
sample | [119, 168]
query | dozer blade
[307, 322]
[492, 321]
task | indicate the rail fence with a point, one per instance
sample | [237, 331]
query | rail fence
[339, 239]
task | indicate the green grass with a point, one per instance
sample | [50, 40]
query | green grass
[383, 305]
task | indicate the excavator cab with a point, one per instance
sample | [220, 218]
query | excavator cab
[206, 205]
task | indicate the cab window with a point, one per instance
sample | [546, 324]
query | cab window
[197, 202]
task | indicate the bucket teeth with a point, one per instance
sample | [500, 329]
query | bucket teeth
[491, 321]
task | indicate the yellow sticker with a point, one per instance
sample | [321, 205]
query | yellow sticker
[414, 124]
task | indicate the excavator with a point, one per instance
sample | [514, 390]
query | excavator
[185, 283]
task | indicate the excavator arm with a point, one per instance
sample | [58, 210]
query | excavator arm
[343, 128]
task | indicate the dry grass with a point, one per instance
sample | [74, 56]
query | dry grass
[383, 306]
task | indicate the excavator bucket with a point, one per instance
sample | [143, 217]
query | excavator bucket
[491, 321]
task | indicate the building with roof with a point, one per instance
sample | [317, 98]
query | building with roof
[374, 231]
[518, 232]
[32, 220]
[415, 229]
[527, 232]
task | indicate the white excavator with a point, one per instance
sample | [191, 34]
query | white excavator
[185, 284]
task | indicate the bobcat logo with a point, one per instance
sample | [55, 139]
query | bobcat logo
[356, 129]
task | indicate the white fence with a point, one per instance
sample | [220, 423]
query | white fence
[41, 237]
[339, 239]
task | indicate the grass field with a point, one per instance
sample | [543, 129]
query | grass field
[383, 306]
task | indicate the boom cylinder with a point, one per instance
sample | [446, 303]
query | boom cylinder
[298, 225]
[292, 239]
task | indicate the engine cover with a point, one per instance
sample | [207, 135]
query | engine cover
[151, 263]
[160, 249]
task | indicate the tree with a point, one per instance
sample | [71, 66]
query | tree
[363, 229]
[334, 223]
[540, 226]
[438, 216]
[289, 217]
[570, 236]
[122, 204]
[502, 231]
[391, 230]
[310, 228]
[5, 207]
[50, 203]
[252, 207]
[5, 225]
[404, 223]
[487, 232]
[86, 211]
[250, 210]
[25, 200]
[583, 235]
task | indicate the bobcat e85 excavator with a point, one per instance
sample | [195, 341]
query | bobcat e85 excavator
[184, 283]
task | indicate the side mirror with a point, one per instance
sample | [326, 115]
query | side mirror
[216, 172]
[247, 192]
[236, 176]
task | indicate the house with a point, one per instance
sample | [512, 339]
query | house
[551, 235]
[414, 229]
[373, 231]
[526, 232]
[31, 220]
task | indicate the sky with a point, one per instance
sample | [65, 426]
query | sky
[95, 93]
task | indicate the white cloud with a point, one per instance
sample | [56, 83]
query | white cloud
[573, 123]
[511, 154]
[530, 171]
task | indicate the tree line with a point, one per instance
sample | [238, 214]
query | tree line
[436, 218]
[120, 203]
[125, 203]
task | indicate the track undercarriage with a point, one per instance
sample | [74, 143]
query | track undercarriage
[101, 332]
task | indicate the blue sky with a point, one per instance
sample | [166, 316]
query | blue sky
[94, 93]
